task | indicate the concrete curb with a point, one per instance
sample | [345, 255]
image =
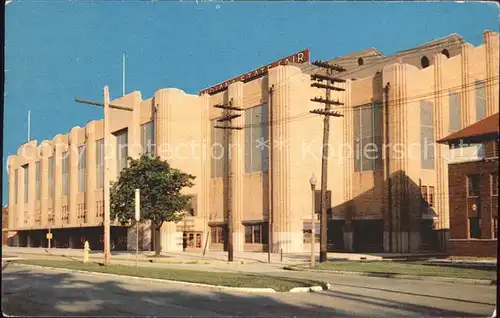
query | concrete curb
[400, 276]
[218, 287]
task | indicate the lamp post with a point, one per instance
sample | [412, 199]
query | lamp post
[313, 181]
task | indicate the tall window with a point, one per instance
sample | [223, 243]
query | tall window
[480, 100]
[426, 135]
[82, 156]
[121, 150]
[475, 227]
[219, 151]
[495, 227]
[37, 179]
[455, 112]
[494, 183]
[99, 145]
[431, 196]
[256, 139]
[65, 173]
[473, 184]
[147, 139]
[26, 183]
[16, 185]
[423, 189]
[51, 177]
[368, 137]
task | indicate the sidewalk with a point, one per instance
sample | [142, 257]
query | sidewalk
[189, 257]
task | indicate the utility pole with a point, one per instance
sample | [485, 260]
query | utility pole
[227, 116]
[106, 224]
[327, 112]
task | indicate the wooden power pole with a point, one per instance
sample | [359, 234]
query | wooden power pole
[226, 118]
[107, 220]
[327, 112]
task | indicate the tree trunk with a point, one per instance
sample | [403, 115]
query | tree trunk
[157, 241]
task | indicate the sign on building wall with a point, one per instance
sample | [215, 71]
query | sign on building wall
[297, 58]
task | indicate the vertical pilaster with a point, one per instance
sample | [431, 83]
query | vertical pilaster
[235, 92]
[73, 175]
[171, 239]
[204, 196]
[492, 43]
[467, 104]
[32, 157]
[45, 153]
[12, 212]
[441, 153]
[90, 171]
[288, 226]
[348, 130]
[58, 150]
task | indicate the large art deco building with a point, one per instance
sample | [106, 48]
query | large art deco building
[393, 200]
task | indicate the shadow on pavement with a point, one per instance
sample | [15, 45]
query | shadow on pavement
[33, 292]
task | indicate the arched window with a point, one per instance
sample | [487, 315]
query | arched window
[424, 62]
[445, 53]
[360, 61]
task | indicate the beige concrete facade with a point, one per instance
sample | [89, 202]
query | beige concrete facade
[276, 180]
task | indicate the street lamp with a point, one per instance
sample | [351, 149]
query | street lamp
[313, 181]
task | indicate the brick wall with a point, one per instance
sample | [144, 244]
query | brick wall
[477, 248]
[461, 208]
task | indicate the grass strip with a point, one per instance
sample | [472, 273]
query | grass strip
[409, 269]
[279, 284]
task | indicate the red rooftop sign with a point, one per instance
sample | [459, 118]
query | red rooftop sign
[298, 58]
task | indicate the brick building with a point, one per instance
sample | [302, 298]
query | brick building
[473, 188]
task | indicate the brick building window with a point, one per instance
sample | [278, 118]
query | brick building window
[473, 184]
[65, 172]
[121, 150]
[495, 149]
[38, 188]
[494, 183]
[431, 196]
[256, 233]
[51, 177]
[217, 234]
[495, 227]
[81, 168]
[219, 152]
[147, 139]
[474, 227]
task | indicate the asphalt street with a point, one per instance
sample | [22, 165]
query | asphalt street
[29, 291]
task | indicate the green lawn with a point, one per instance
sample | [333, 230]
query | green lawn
[212, 278]
[408, 269]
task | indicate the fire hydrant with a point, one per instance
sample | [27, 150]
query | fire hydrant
[86, 251]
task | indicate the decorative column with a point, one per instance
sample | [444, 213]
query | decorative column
[58, 150]
[288, 226]
[492, 43]
[348, 131]
[171, 239]
[13, 201]
[45, 153]
[468, 86]
[236, 150]
[204, 195]
[73, 175]
[91, 173]
[441, 153]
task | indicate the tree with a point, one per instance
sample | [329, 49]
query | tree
[160, 194]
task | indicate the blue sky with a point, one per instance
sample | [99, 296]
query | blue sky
[59, 50]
